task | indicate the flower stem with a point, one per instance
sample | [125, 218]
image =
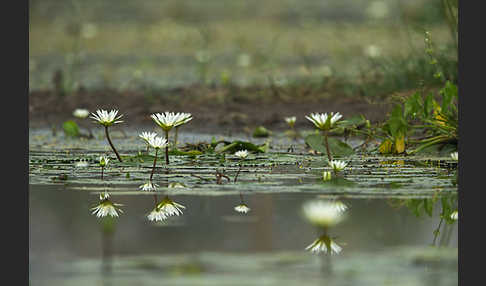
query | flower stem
[111, 144]
[167, 148]
[327, 146]
[237, 173]
[153, 167]
[155, 199]
[102, 168]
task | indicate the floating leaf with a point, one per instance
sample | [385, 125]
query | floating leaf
[337, 147]
[261, 131]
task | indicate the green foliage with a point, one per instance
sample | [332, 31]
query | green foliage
[337, 147]
[237, 145]
[71, 128]
[261, 131]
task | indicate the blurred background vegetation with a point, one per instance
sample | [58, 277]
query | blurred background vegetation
[368, 47]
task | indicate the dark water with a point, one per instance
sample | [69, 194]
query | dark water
[211, 244]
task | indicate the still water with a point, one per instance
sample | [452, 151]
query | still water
[212, 244]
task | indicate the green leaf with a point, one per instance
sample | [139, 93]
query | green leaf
[261, 131]
[337, 147]
[71, 128]
[243, 145]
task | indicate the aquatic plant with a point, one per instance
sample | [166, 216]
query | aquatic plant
[156, 143]
[106, 207]
[107, 119]
[325, 122]
[146, 137]
[324, 244]
[326, 176]
[337, 165]
[455, 156]
[242, 154]
[167, 121]
[103, 162]
[454, 215]
[81, 113]
[291, 121]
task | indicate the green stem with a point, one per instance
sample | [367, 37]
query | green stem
[237, 173]
[167, 147]
[111, 144]
[102, 168]
[153, 167]
[327, 146]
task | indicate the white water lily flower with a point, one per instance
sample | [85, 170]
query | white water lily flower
[290, 120]
[454, 215]
[322, 213]
[242, 208]
[455, 156]
[157, 142]
[167, 120]
[106, 118]
[326, 176]
[325, 245]
[323, 121]
[337, 165]
[107, 208]
[146, 136]
[104, 161]
[242, 154]
[81, 164]
[169, 207]
[149, 186]
[184, 118]
[81, 113]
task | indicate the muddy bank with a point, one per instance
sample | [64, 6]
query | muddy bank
[233, 108]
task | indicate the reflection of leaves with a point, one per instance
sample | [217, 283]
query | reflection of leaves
[337, 147]
[71, 128]
[420, 207]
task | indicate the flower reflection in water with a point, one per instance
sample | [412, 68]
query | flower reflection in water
[242, 207]
[324, 214]
[165, 209]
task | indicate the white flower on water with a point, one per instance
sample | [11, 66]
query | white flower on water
[81, 164]
[81, 113]
[323, 213]
[146, 136]
[337, 165]
[242, 208]
[326, 176]
[242, 154]
[157, 142]
[455, 156]
[325, 245]
[290, 120]
[324, 121]
[168, 120]
[149, 186]
[454, 215]
[107, 208]
[183, 118]
[106, 118]
[104, 161]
